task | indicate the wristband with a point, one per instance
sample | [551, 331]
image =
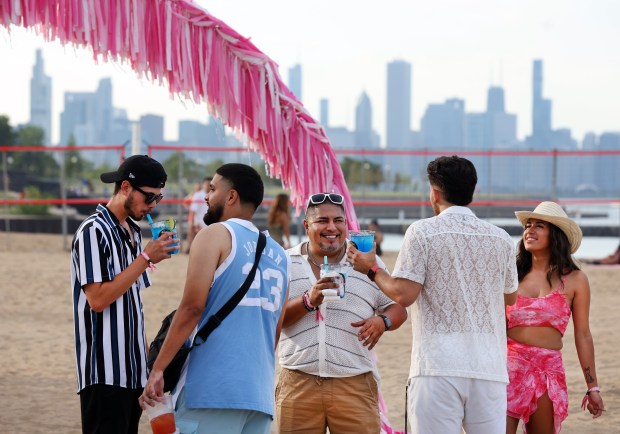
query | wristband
[585, 398]
[305, 298]
[372, 272]
[145, 256]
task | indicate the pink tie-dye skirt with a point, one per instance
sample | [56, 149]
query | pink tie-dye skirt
[532, 371]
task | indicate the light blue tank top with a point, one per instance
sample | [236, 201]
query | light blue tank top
[234, 368]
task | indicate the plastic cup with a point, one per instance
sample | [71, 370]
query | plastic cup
[161, 416]
[363, 240]
[339, 274]
[167, 225]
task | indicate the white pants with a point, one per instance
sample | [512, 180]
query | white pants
[444, 405]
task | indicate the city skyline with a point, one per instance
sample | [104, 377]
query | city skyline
[580, 75]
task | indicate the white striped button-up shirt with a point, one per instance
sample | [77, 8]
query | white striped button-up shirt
[110, 346]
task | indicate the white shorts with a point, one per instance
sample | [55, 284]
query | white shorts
[444, 405]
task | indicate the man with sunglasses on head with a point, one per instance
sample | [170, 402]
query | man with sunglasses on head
[108, 273]
[328, 377]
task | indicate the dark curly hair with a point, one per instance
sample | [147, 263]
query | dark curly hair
[560, 260]
[455, 176]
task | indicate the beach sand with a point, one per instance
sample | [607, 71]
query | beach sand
[38, 380]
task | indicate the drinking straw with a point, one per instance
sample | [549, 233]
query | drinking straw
[148, 217]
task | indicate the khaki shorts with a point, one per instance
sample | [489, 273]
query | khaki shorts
[309, 404]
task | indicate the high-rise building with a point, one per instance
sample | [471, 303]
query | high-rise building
[294, 80]
[495, 100]
[41, 98]
[364, 134]
[91, 119]
[105, 114]
[76, 120]
[501, 127]
[541, 110]
[443, 125]
[398, 132]
[152, 129]
[324, 112]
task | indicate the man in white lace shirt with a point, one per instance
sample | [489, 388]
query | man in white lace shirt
[328, 377]
[457, 272]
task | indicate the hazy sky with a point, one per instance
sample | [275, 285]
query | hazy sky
[457, 49]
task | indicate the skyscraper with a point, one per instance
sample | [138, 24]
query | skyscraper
[398, 132]
[501, 127]
[152, 129]
[77, 119]
[363, 122]
[41, 98]
[104, 113]
[541, 109]
[443, 125]
[495, 100]
[324, 115]
[91, 119]
[294, 80]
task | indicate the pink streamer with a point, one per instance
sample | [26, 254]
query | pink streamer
[200, 58]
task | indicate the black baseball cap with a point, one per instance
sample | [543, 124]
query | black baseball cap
[139, 170]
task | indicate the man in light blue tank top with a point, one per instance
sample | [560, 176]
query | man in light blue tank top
[227, 384]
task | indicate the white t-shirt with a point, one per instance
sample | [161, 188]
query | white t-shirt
[199, 207]
[465, 265]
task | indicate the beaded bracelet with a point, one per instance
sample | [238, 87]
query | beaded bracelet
[585, 398]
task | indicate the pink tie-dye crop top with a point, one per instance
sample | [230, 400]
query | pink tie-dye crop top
[549, 311]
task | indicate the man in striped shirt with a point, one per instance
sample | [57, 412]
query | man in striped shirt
[108, 272]
[328, 377]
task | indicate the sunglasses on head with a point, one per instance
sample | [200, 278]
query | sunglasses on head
[319, 198]
[149, 197]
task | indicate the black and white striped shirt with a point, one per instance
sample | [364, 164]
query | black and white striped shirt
[110, 346]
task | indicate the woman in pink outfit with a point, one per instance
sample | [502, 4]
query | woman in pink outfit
[551, 287]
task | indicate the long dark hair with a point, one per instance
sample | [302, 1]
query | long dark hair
[280, 204]
[560, 260]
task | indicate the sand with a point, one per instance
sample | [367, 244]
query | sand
[38, 380]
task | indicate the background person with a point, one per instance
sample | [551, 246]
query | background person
[551, 286]
[197, 209]
[458, 272]
[611, 259]
[279, 220]
[374, 226]
[328, 377]
[108, 273]
[227, 386]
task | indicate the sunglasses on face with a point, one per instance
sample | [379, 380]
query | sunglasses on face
[149, 197]
[319, 198]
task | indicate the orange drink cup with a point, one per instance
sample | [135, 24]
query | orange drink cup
[161, 416]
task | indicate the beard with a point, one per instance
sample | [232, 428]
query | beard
[128, 205]
[213, 215]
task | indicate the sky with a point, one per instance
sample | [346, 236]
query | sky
[457, 49]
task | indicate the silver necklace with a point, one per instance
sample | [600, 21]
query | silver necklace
[344, 247]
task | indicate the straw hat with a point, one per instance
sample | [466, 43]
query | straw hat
[553, 213]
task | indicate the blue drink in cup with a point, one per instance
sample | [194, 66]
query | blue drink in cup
[167, 225]
[363, 240]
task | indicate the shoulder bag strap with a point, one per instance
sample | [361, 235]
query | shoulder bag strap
[216, 319]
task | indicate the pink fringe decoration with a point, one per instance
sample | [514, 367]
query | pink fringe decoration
[201, 58]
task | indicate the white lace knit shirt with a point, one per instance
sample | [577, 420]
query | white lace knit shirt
[465, 265]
